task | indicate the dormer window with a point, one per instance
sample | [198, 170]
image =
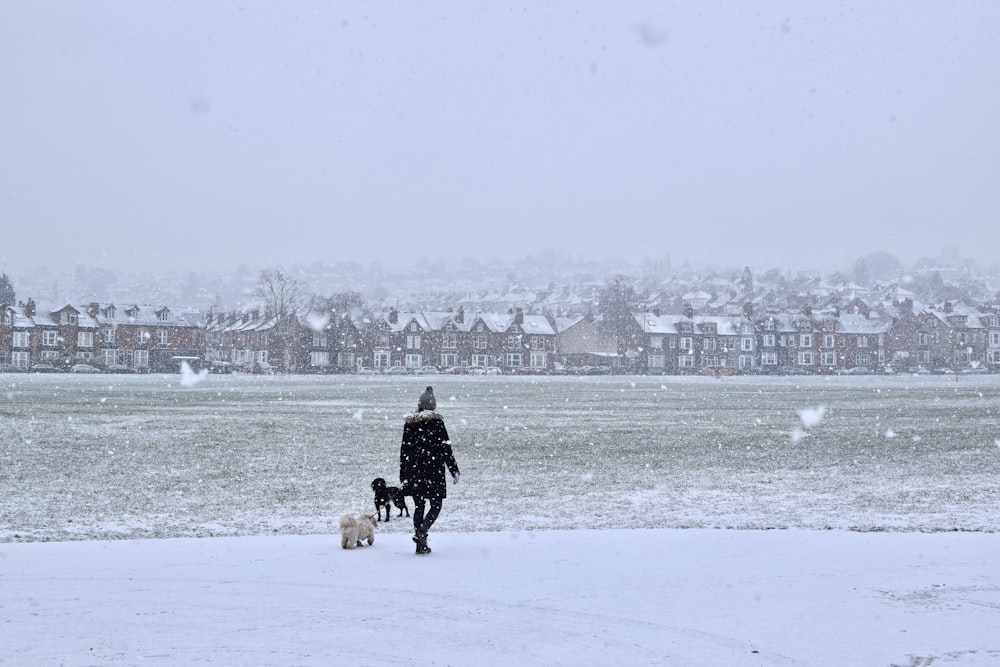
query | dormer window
[109, 312]
[163, 315]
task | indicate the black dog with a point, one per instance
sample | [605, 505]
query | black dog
[384, 495]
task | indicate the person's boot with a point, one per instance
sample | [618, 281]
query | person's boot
[421, 540]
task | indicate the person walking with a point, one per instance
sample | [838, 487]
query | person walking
[423, 456]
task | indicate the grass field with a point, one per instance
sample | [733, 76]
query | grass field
[85, 457]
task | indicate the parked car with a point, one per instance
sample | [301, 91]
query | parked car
[493, 370]
[427, 370]
[476, 370]
[397, 370]
[856, 370]
[83, 368]
[456, 370]
[45, 368]
[119, 369]
[10, 368]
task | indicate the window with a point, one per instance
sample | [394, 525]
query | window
[319, 358]
[414, 360]
[480, 360]
[413, 343]
[109, 335]
[686, 343]
[141, 358]
[923, 356]
[319, 340]
[346, 360]
[656, 342]
[769, 358]
[685, 361]
[85, 339]
[995, 338]
[746, 361]
[828, 340]
[381, 360]
[513, 359]
[805, 358]
[449, 359]
[862, 341]
[923, 340]
[539, 359]
[22, 339]
[49, 355]
[110, 356]
[656, 360]
[862, 359]
[163, 315]
[161, 336]
[537, 343]
[805, 340]
[50, 338]
[710, 344]
[513, 342]
[449, 341]
[769, 340]
[479, 341]
[829, 359]
[746, 344]
[20, 359]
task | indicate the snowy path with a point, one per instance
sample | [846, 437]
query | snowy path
[579, 597]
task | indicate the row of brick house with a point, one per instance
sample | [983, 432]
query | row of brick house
[156, 338]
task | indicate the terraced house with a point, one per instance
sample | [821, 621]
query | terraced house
[856, 338]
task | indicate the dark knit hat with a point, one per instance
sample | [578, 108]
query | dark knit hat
[427, 400]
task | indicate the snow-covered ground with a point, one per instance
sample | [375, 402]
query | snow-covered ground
[598, 521]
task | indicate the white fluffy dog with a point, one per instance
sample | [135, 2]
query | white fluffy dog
[355, 530]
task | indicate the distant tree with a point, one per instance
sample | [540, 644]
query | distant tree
[774, 277]
[341, 302]
[285, 298]
[616, 304]
[7, 295]
[881, 266]
[746, 280]
[862, 276]
[94, 284]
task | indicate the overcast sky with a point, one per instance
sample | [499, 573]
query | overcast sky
[199, 134]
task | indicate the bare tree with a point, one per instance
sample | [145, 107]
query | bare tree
[284, 299]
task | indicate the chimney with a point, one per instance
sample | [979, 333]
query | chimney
[460, 316]
[29, 308]
[93, 309]
[519, 316]
[393, 316]
[748, 310]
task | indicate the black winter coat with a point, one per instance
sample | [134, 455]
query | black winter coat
[424, 454]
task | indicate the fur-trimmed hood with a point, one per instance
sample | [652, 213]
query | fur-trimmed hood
[422, 416]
